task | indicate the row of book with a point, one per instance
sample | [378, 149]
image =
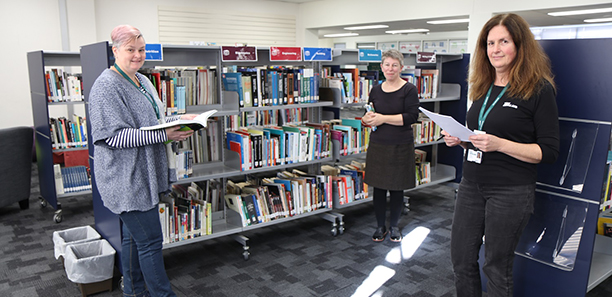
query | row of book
[66, 133]
[285, 195]
[260, 146]
[71, 179]
[425, 130]
[186, 212]
[349, 135]
[295, 116]
[422, 167]
[426, 80]
[347, 182]
[178, 88]
[63, 86]
[269, 86]
[354, 84]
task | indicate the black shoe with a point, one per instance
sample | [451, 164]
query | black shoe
[380, 234]
[395, 234]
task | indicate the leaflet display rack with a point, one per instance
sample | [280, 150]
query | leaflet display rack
[570, 259]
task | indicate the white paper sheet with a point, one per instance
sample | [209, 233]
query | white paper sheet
[449, 125]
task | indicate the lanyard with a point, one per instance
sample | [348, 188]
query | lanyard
[142, 90]
[482, 116]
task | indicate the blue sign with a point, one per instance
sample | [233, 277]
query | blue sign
[370, 55]
[154, 52]
[317, 54]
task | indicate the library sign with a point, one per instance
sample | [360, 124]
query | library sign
[317, 54]
[154, 52]
[238, 53]
[285, 53]
[370, 55]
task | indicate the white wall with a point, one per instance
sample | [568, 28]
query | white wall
[30, 25]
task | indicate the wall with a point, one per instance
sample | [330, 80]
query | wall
[350, 12]
[30, 25]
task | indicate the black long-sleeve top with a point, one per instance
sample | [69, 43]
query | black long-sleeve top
[525, 121]
[404, 101]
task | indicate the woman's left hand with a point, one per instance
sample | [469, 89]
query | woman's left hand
[188, 116]
[486, 142]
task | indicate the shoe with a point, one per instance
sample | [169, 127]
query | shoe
[380, 234]
[395, 234]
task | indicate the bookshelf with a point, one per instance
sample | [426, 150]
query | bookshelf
[38, 63]
[451, 100]
[98, 56]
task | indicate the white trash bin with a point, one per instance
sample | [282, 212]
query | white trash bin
[72, 236]
[89, 262]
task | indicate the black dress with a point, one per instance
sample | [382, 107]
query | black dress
[390, 158]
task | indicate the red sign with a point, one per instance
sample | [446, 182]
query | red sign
[426, 57]
[285, 53]
[238, 53]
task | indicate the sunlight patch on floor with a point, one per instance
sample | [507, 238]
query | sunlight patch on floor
[378, 276]
[381, 274]
[409, 245]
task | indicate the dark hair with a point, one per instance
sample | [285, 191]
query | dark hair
[529, 70]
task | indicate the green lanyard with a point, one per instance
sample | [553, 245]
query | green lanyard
[142, 90]
[482, 116]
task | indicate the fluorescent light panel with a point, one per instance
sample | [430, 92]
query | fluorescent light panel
[340, 35]
[407, 31]
[578, 12]
[598, 20]
[442, 22]
[367, 27]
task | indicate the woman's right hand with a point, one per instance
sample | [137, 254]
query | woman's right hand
[175, 134]
[450, 140]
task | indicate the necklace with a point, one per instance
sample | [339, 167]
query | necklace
[140, 88]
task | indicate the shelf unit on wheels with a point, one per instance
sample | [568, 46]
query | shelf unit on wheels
[451, 100]
[38, 63]
[98, 57]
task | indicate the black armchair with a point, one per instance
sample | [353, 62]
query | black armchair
[15, 165]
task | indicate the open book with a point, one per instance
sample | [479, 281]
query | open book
[195, 124]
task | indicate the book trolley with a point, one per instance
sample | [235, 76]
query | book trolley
[38, 63]
[98, 57]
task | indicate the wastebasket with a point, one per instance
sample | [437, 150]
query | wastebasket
[90, 264]
[72, 236]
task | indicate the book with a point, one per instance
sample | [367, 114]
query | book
[201, 121]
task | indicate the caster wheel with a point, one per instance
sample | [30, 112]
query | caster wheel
[341, 230]
[245, 255]
[120, 285]
[334, 231]
[43, 202]
[57, 218]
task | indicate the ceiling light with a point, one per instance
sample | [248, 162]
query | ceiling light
[367, 27]
[442, 22]
[577, 12]
[340, 35]
[407, 31]
[598, 20]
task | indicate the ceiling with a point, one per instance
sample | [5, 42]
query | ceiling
[536, 18]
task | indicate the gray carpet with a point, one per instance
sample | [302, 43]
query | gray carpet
[297, 258]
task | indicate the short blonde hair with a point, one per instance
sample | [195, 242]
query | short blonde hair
[393, 54]
[124, 34]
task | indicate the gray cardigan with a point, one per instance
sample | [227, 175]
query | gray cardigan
[127, 179]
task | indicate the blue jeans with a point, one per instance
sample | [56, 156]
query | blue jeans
[500, 213]
[141, 255]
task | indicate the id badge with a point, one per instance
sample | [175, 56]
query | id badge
[474, 156]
